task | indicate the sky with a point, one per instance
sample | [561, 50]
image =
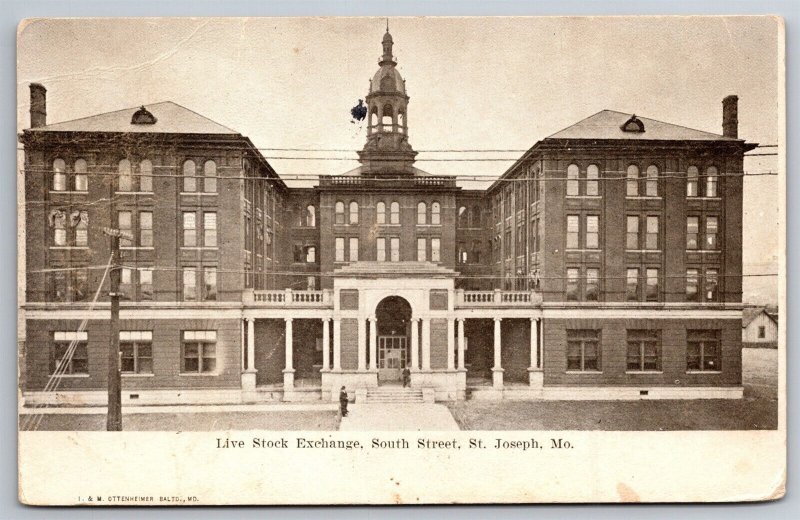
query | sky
[474, 83]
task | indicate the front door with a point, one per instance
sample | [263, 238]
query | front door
[392, 354]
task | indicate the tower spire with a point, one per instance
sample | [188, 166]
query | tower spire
[387, 42]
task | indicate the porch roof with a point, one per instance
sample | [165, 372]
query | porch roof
[393, 270]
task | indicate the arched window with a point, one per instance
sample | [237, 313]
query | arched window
[380, 212]
[339, 212]
[354, 212]
[463, 217]
[394, 213]
[477, 216]
[81, 182]
[210, 173]
[692, 184]
[59, 175]
[311, 254]
[311, 216]
[189, 171]
[125, 179]
[592, 178]
[422, 213]
[146, 176]
[572, 180]
[401, 122]
[436, 214]
[632, 185]
[373, 118]
[712, 180]
[388, 118]
[297, 216]
[651, 185]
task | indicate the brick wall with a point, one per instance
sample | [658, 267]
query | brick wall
[438, 343]
[349, 343]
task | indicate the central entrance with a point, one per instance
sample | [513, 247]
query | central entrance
[393, 316]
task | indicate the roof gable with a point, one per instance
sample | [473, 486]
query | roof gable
[171, 118]
[750, 314]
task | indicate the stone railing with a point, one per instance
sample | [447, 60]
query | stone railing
[400, 181]
[288, 298]
[497, 298]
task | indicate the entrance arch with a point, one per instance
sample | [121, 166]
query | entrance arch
[393, 318]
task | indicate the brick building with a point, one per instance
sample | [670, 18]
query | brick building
[605, 263]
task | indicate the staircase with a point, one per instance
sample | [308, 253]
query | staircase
[394, 394]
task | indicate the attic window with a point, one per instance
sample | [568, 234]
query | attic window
[143, 117]
[634, 124]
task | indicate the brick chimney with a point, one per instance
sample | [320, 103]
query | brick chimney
[38, 105]
[730, 116]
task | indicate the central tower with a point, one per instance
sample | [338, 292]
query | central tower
[387, 150]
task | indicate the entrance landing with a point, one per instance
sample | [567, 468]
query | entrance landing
[398, 417]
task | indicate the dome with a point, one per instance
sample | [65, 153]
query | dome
[387, 79]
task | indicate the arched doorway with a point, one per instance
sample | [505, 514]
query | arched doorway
[393, 316]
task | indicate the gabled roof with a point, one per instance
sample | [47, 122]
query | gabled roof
[607, 124]
[172, 118]
[751, 313]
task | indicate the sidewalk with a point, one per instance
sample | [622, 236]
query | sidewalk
[398, 417]
[187, 408]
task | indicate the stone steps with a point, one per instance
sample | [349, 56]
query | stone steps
[394, 395]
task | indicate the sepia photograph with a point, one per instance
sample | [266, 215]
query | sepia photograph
[247, 228]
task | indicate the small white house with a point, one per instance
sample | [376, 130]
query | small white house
[759, 328]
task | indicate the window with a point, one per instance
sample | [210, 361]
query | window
[311, 255]
[311, 216]
[210, 177]
[136, 351]
[632, 233]
[573, 228]
[703, 351]
[199, 351]
[692, 232]
[592, 232]
[58, 286]
[339, 212]
[422, 213]
[651, 285]
[354, 212]
[692, 285]
[651, 184]
[381, 245]
[436, 250]
[572, 180]
[422, 249]
[145, 284]
[394, 213]
[644, 351]
[380, 212]
[146, 176]
[592, 180]
[712, 283]
[353, 253]
[81, 181]
[210, 229]
[59, 175]
[69, 285]
[632, 184]
[297, 252]
[339, 249]
[573, 275]
[436, 214]
[209, 283]
[762, 332]
[651, 235]
[476, 217]
[394, 245]
[189, 229]
[475, 253]
[632, 284]
[463, 217]
[125, 224]
[189, 284]
[189, 172]
[81, 228]
[80, 285]
[461, 253]
[592, 284]
[58, 219]
[125, 180]
[712, 180]
[692, 181]
[712, 226]
[583, 350]
[146, 228]
[70, 355]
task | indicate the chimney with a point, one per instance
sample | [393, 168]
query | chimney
[38, 105]
[730, 116]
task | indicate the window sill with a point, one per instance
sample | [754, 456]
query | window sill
[643, 197]
[429, 225]
[643, 251]
[205, 374]
[577, 250]
[78, 248]
[591, 197]
[703, 198]
[386, 225]
[644, 372]
[144, 248]
[197, 248]
[70, 192]
[199, 193]
[71, 376]
[703, 251]
[125, 374]
[704, 371]
[584, 372]
[134, 192]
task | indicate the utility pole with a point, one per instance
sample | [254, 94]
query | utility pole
[114, 418]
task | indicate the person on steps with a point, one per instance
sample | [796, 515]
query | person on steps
[343, 402]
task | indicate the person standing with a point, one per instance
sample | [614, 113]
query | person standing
[406, 377]
[343, 402]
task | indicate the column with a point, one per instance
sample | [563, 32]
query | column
[460, 343]
[337, 344]
[414, 344]
[497, 369]
[426, 344]
[451, 354]
[326, 344]
[362, 345]
[535, 374]
[373, 343]
[251, 344]
[288, 372]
